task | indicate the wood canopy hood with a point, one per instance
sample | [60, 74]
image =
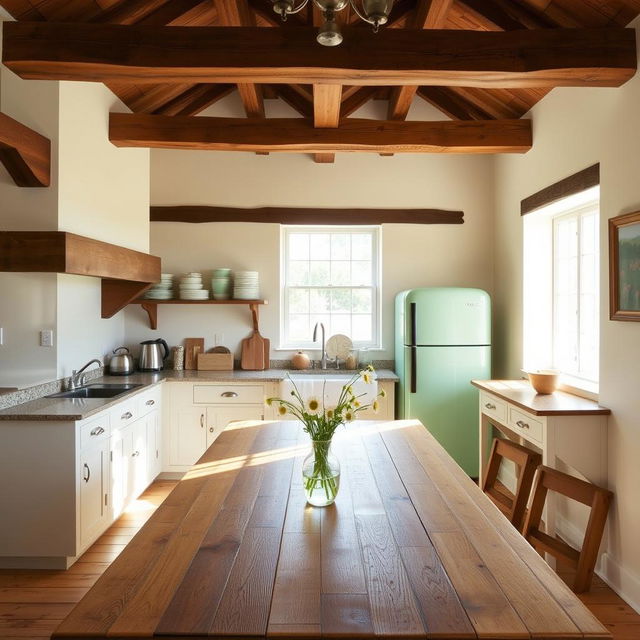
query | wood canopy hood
[303, 215]
[25, 153]
[114, 53]
[125, 273]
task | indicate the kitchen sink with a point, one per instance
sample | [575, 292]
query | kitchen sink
[96, 391]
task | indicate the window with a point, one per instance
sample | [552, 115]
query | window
[561, 289]
[575, 293]
[330, 275]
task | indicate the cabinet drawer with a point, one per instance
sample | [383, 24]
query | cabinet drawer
[124, 413]
[525, 424]
[228, 394]
[148, 401]
[492, 406]
[94, 431]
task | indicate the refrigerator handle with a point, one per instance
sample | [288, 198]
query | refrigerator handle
[414, 370]
[414, 329]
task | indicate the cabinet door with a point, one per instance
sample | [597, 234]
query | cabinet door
[218, 418]
[188, 436]
[118, 473]
[94, 476]
[154, 445]
[139, 472]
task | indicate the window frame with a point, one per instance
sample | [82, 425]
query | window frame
[285, 288]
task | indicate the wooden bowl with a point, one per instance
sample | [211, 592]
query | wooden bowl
[544, 382]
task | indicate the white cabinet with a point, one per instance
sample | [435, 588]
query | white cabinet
[94, 491]
[154, 444]
[198, 413]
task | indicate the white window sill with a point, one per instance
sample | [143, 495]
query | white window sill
[579, 387]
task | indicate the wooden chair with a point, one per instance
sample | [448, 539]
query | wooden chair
[588, 494]
[513, 506]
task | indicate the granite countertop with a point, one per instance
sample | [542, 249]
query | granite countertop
[73, 409]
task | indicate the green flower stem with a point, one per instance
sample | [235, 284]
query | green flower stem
[321, 471]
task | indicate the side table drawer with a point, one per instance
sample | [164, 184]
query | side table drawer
[525, 424]
[493, 407]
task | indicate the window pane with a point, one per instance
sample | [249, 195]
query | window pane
[341, 300]
[320, 300]
[361, 273]
[362, 299]
[361, 246]
[299, 326]
[299, 246]
[340, 273]
[340, 246]
[319, 273]
[320, 246]
[341, 323]
[298, 273]
[299, 301]
[362, 327]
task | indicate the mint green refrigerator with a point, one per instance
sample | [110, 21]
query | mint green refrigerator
[443, 341]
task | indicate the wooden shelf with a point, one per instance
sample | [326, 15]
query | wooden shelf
[151, 307]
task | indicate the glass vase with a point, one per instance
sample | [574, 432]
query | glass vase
[321, 474]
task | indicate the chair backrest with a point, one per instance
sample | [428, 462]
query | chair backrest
[597, 498]
[527, 461]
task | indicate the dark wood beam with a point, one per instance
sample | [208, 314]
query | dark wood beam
[290, 215]
[295, 98]
[507, 15]
[194, 100]
[299, 136]
[581, 181]
[327, 99]
[452, 104]
[146, 55]
[25, 153]
[357, 100]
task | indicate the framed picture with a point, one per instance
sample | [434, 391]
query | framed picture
[624, 267]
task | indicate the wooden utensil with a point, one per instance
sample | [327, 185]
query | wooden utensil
[253, 353]
[192, 346]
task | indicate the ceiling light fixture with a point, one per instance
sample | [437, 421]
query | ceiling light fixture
[375, 12]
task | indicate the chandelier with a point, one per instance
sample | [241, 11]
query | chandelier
[375, 12]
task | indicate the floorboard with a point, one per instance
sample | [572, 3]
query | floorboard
[32, 603]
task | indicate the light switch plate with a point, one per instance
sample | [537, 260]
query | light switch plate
[46, 338]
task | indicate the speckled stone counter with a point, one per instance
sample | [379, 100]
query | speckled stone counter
[80, 408]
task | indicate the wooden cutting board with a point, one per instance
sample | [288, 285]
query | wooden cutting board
[253, 349]
[192, 347]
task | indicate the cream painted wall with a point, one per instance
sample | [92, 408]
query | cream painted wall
[573, 129]
[412, 255]
[27, 301]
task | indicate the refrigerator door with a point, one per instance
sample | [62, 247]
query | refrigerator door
[444, 400]
[446, 316]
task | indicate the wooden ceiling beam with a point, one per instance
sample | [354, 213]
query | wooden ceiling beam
[296, 135]
[295, 98]
[25, 153]
[148, 55]
[356, 100]
[452, 104]
[327, 99]
[194, 100]
[130, 12]
[507, 15]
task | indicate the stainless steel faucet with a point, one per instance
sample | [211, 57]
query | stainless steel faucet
[323, 360]
[78, 379]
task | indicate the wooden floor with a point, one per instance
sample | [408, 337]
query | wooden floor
[33, 602]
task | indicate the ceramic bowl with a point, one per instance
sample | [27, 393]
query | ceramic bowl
[544, 381]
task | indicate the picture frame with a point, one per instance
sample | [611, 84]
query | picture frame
[624, 267]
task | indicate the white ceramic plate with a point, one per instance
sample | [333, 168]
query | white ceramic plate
[339, 346]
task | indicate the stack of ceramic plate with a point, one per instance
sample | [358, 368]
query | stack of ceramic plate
[245, 285]
[163, 290]
[221, 284]
[191, 287]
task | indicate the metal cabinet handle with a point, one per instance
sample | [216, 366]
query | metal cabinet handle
[202, 420]
[489, 405]
[522, 425]
[150, 402]
[97, 431]
[135, 454]
[229, 394]
[126, 416]
[86, 477]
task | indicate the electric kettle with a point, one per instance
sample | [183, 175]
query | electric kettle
[151, 357]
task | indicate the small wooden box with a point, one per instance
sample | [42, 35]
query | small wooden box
[215, 361]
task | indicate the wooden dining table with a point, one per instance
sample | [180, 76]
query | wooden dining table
[410, 549]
